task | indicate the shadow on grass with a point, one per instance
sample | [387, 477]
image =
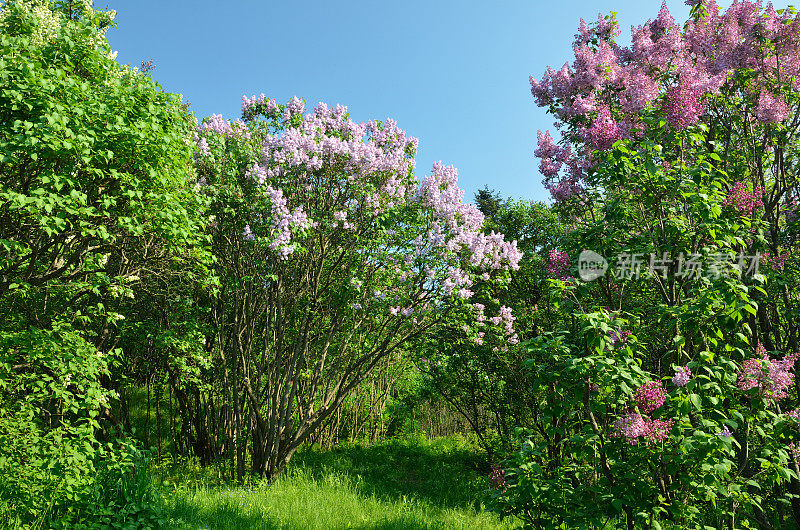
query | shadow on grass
[443, 472]
[218, 516]
[227, 517]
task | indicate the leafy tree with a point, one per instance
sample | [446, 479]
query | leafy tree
[94, 159]
[331, 256]
[488, 201]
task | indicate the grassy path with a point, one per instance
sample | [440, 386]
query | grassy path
[399, 484]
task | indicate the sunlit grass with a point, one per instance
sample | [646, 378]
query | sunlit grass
[402, 484]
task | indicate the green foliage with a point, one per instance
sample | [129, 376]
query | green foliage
[574, 465]
[50, 398]
[486, 381]
[94, 167]
[53, 470]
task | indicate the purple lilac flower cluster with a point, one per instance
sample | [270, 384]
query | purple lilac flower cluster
[551, 159]
[603, 131]
[682, 376]
[498, 477]
[558, 264]
[744, 201]
[219, 125]
[775, 261]
[253, 104]
[603, 92]
[771, 108]
[771, 377]
[683, 106]
[373, 165]
[283, 221]
[650, 396]
[635, 425]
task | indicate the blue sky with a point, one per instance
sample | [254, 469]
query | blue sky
[452, 73]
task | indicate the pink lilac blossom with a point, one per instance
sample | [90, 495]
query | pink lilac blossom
[552, 159]
[558, 264]
[634, 427]
[771, 377]
[794, 450]
[640, 91]
[683, 107]
[650, 396]
[603, 91]
[794, 414]
[658, 430]
[771, 108]
[630, 425]
[498, 477]
[775, 261]
[604, 131]
[550, 155]
[564, 189]
[682, 376]
[746, 202]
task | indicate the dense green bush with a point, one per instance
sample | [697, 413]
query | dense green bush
[94, 163]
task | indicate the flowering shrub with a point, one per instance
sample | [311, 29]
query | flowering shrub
[747, 203]
[610, 91]
[93, 172]
[674, 146]
[332, 254]
[771, 377]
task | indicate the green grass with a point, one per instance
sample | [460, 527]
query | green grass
[397, 484]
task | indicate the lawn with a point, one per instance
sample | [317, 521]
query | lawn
[410, 483]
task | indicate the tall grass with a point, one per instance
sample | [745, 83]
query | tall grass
[411, 483]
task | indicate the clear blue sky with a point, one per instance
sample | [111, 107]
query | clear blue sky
[452, 73]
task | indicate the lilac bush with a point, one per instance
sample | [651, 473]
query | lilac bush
[676, 160]
[331, 255]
